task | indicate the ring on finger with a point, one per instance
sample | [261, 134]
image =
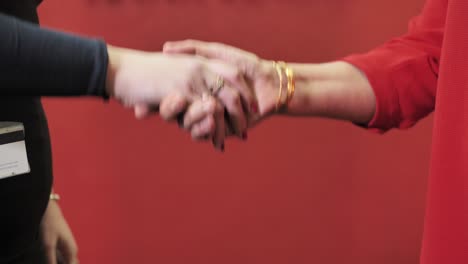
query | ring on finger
[219, 84]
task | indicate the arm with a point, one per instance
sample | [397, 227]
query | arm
[392, 86]
[35, 61]
[334, 90]
[404, 72]
[39, 62]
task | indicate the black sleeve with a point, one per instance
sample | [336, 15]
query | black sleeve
[40, 62]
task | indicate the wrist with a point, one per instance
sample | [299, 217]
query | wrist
[270, 83]
[112, 69]
[309, 97]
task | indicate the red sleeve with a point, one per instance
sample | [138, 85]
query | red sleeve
[404, 71]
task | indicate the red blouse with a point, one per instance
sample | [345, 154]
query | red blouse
[412, 75]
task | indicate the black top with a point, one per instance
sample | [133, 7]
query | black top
[36, 62]
[40, 62]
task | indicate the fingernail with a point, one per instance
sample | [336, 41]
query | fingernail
[222, 147]
[254, 108]
[244, 136]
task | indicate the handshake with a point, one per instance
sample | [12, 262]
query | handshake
[212, 90]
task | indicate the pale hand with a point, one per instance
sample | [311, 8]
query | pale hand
[57, 237]
[142, 80]
[261, 74]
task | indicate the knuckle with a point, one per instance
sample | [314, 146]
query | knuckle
[237, 75]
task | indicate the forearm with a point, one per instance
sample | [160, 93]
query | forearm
[334, 90]
[36, 62]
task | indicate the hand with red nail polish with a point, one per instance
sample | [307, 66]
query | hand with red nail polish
[260, 74]
[210, 117]
[256, 78]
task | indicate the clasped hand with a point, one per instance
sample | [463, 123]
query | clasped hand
[212, 90]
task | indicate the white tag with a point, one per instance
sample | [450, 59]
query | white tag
[13, 156]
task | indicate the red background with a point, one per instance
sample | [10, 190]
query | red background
[300, 191]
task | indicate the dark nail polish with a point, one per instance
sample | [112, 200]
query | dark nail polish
[254, 108]
[244, 136]
[222, 147]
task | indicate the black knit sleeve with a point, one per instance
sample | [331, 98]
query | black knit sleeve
[40, 62]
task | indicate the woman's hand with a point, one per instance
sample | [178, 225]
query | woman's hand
[141, 80]
[261, 74]
[58, 240]
[336, 89]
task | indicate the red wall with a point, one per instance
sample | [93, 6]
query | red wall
[300, 191]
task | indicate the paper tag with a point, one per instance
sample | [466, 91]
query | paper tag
[13, 156]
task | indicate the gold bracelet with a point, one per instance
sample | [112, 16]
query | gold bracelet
[281, 67]
[280, 77]
[54, 197]
[291, 84]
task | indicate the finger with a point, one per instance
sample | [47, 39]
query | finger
[204, 130]
[235, 113]
[60, 258]
[198, 111]
[69, 250]
[143, 111]
[220, 131]
[244, 60]
[213, 127]
[201, 48]
[235, 78]
[172, 106]
[51, 253]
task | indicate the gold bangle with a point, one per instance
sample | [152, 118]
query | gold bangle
[54, 197]
[281, 67]
[282, 99]
[291, 84]
[280, 90]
